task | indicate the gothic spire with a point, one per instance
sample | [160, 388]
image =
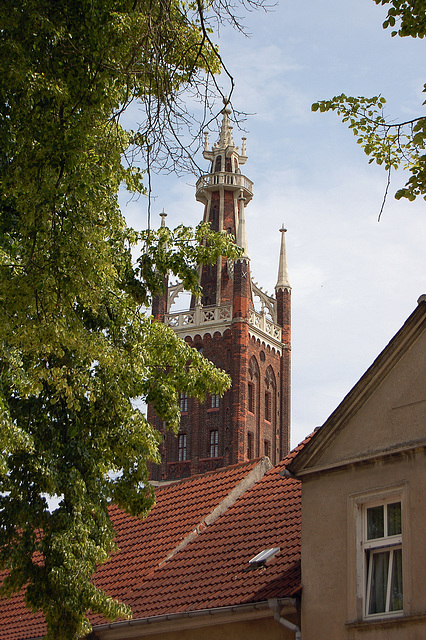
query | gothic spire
[283, 281]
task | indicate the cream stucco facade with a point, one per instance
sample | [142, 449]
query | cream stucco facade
[367, 460]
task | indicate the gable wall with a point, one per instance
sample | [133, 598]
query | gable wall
[329, 551]
[394, 414]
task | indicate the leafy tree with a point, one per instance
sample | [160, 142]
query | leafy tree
[76, 346]
[391, 144]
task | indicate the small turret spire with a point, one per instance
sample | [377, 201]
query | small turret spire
[241, 231]
[283, 281]
[225, 136]
[163, 216]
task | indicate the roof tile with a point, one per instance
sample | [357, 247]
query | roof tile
[212, 569]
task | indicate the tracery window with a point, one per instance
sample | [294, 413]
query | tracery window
[270, 395]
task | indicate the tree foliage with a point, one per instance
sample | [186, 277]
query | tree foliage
[76, 344]
[389, 143]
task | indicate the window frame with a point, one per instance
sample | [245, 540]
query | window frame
[214, 401]
[183, 402]
[214, 443]
[374, 546]
[182, 447]
[359, 546]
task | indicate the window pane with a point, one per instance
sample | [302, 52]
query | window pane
[375, 523]
[396, 582]
[379, 563]
[394, 518]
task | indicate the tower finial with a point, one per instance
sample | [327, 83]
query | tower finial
[163, 216]
[243, 147]
[283, 281]
[225, 136]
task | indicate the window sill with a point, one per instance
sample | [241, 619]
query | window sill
[385, 622]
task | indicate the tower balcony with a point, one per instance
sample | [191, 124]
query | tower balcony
[230, 181]
[203, 320]
[200, 320]
[262, 323]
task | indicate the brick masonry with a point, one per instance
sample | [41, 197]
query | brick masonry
[253, 417]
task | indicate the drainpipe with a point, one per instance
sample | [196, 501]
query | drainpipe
[275, 607]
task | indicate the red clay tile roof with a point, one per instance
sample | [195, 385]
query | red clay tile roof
[212, 569]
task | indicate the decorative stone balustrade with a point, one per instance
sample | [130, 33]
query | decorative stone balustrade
[199, 316]
[262, 322]
[211, 181]
[206, 316]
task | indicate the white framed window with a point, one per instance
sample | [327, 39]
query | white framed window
[382, 545]
[378, 562]
[214, 444]
[182, 447]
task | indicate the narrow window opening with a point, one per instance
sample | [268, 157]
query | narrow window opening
[250, 448]
[214, 444]
[182, 447]
[214, 401]
[183, 402]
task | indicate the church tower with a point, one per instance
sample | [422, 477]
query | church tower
[237, 326]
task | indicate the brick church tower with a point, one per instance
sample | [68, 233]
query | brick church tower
[252, 344]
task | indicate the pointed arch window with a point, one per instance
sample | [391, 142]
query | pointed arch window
[218, 164]
[270, 395]
[253, 385]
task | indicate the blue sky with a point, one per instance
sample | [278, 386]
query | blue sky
[354, 279]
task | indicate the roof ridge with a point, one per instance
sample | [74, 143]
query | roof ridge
[263, 465]
[158, 484]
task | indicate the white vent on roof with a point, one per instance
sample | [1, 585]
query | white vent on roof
[264, 556]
